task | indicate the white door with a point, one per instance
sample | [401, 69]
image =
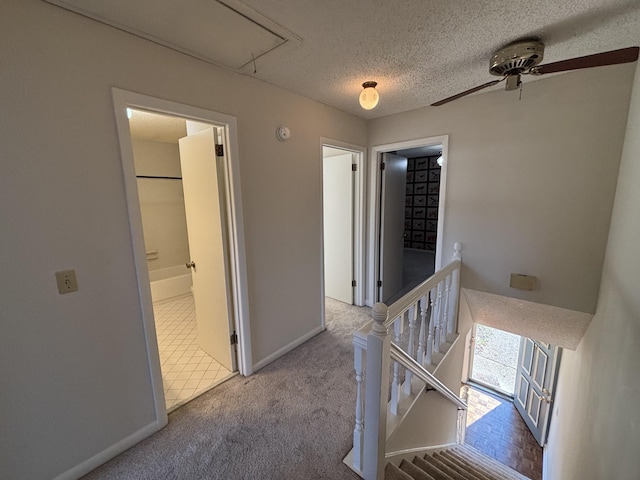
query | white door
[204, 200]
[535, 380]
[337, 186]
[393, 194]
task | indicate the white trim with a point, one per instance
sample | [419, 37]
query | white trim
[287, 348]
[374, 205]
[545, 463]
[110, 452]
[123, 99]
[359, 229]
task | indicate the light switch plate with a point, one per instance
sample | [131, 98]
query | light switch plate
[523, 282]
[67, 281]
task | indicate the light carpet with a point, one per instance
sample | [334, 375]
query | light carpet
[293, 419]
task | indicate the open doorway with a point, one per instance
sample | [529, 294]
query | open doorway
[494, 359]
[520, 369]
[343, 230]
[185, 211]
[409, 182]
[180, 191]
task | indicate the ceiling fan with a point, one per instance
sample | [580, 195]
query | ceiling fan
[523, 58]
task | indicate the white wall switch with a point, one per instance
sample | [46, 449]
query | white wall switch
[523, 282]
[67, 281]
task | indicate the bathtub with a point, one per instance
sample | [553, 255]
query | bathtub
[169, 282]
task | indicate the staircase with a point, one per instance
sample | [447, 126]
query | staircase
[460, 462]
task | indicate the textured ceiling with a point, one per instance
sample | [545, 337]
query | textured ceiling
[418, 51]
[156, 127]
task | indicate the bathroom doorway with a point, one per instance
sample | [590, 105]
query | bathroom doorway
[183, 202]
[180, 202]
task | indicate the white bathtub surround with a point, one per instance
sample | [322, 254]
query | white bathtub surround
[170, 282]
[186, 370]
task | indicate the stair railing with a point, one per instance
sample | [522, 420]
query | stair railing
[433, 305]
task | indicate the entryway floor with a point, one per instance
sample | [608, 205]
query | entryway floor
[187, 371]
[496, 428]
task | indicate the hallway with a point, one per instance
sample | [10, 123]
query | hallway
[496, 429]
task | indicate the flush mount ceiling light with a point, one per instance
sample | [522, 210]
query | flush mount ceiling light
[369, 96]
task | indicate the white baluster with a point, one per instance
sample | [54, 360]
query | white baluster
[358, 431]
[432, 324]
[376, 394]
[445, 309]
[462, 415]
[423, 331]
[438, 318]
[395, 383]
[411, 347]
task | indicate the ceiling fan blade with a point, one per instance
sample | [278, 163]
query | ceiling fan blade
[624, 55]
[467, 92]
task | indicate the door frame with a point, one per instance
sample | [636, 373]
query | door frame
[123, 99]
[359, 229]
[373, 245]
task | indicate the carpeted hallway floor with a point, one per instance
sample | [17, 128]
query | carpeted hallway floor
[293, 419]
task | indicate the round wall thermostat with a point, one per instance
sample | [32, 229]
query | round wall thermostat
[283, 134]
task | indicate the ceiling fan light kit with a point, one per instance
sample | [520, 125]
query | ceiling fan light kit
[524, 57]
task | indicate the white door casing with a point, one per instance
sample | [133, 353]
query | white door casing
[373, 242]
[392, 199]
[338, 223]
[203, 184]
[535, 382]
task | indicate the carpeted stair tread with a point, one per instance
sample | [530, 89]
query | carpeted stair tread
[480, 469]
[441, 466]
[431, 469]
[506, 472]
[414, 471]
[461, 462]
[467, 473]
[391, 472]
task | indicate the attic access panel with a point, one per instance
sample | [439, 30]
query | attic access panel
[227, 33]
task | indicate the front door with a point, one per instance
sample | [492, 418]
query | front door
[392, 199]
[204, 201]
[535, 381]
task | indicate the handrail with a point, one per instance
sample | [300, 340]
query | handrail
[402, 357]
[401, 305]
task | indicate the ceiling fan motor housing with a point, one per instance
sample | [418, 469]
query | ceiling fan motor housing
[516, 58]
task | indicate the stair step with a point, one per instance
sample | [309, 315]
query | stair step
[414, 471]
[478, 468]
[391, 472]
[431, 469]
[461, 462]
[467, 473]
[472, 453]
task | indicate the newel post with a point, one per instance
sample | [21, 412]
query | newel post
[376, 394]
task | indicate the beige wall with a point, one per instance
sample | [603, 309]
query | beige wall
[530, 182]
[75, 377]
[595, 430]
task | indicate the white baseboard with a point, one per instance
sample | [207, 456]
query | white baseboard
[110, 452]
[287, 348]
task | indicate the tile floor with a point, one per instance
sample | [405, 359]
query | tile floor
[187, 371]
[495, 428]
